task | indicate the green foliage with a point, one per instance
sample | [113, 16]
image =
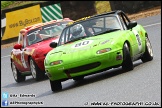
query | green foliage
[11, 4]
[102, 6]
[5, 4]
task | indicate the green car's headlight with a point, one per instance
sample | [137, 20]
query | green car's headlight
[103, 50]
[56, 62]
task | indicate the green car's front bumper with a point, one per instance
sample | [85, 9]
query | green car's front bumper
[84, 67]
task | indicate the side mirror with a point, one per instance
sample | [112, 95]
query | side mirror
[53, 44]
[17, 46]
[132, 24]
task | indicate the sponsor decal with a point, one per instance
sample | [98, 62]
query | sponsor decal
[82, 43]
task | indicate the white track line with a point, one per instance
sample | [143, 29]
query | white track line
[5, 56]
[143, 26]
[152, 24]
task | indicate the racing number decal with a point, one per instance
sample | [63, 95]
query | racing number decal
[23, 59]
[138, 39]
[81, 44]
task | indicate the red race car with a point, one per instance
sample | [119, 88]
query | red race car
[27, 57]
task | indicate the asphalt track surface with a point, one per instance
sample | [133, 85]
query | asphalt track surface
[139, 87]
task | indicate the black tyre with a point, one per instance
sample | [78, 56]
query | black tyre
[127, 64]
[56, 85]
[79, 78]
[148, 55]
[16, 74]
[37, 73]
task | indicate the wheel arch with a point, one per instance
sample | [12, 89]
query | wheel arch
[146, 34]
[29, 59]
[127, 43]
[11, 62]
[129, 46]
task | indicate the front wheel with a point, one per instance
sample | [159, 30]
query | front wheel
[37, 73]
[148, 55]
[16, 74]
[127, 64]
[56, 85]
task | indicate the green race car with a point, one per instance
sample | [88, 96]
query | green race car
[95, 44]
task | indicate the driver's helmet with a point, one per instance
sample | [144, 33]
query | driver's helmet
[78, 30]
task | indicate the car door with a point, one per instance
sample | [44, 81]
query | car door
[24, 55]
[16, 55]
[135, 36]
[20, 55]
